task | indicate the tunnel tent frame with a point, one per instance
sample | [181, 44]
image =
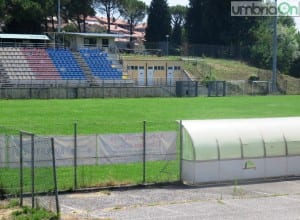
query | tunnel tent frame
[228, 149]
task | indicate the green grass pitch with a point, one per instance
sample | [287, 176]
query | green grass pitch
[56, 117]
[121, 115]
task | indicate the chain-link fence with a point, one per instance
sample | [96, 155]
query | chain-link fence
[120, 154]
[10, 177]
[27, 167]
[246, 88]
[111, 155]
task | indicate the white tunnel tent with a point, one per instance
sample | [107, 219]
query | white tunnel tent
[239, 149]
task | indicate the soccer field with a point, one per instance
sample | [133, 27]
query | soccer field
[58, 116]
[48, 117]
[119, 115]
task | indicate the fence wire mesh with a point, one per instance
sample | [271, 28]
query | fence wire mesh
[103, 154]
[9, 170]
[118, 154]
[45, 186]
[26, 168]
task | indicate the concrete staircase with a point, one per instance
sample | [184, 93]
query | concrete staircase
[115, 61]
[85, 68]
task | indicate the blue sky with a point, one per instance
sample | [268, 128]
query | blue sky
[171, 2]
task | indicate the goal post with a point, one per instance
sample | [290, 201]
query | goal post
[261, 87]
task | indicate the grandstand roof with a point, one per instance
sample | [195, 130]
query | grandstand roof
[94, 34]
[24, 36]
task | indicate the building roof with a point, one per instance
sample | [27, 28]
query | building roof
[113, 21]
[94, 34]
[24, 36]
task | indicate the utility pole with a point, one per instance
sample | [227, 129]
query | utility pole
[167, 37]
[274, 69]
[58, 17]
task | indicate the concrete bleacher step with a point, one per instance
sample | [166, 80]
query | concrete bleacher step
[115, 61]
[83, 65]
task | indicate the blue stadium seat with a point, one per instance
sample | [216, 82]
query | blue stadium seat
[100, 66]
[66, 64]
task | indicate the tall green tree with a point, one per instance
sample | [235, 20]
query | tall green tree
[2, 11]
[48, 11]
[159, 21]
[287, 47]
[134, 11]
[23, 16]
[178, 15]
[295, 66]
[108, 7]
[78, 11]
[201, 22]
[210, 22]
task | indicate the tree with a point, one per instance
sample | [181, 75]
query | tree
[287, 47]
[134, 11]
[23, 16]
[109, 7]
[210, 22]
[178, 15]
[78, 10]
[295, 66]
[48, 10]
[159, 21]
[2, 10]
[196, 19]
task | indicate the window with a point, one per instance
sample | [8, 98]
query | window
[159, 67]
[90, 42]
[132, 67]
[105, 43]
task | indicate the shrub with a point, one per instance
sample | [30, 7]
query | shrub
[253, 78]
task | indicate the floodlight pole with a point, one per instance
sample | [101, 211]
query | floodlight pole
[274, 69]
[58, 17]
[167, 36]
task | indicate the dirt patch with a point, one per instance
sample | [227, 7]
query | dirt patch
[5, 213]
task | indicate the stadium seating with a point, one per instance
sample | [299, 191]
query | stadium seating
[15, 64]
[100, 66]
[66, 64]
[40, 64]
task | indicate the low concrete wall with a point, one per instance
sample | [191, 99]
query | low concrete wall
[196, 172]
[73, 93]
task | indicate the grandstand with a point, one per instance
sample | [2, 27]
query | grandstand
[43, 63]
[78, 60]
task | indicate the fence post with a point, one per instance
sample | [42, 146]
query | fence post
[32, 172]
[181, 150]
[144, 152]
[21, 169]
[54, 176]
[7, 157]
[75, 155]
